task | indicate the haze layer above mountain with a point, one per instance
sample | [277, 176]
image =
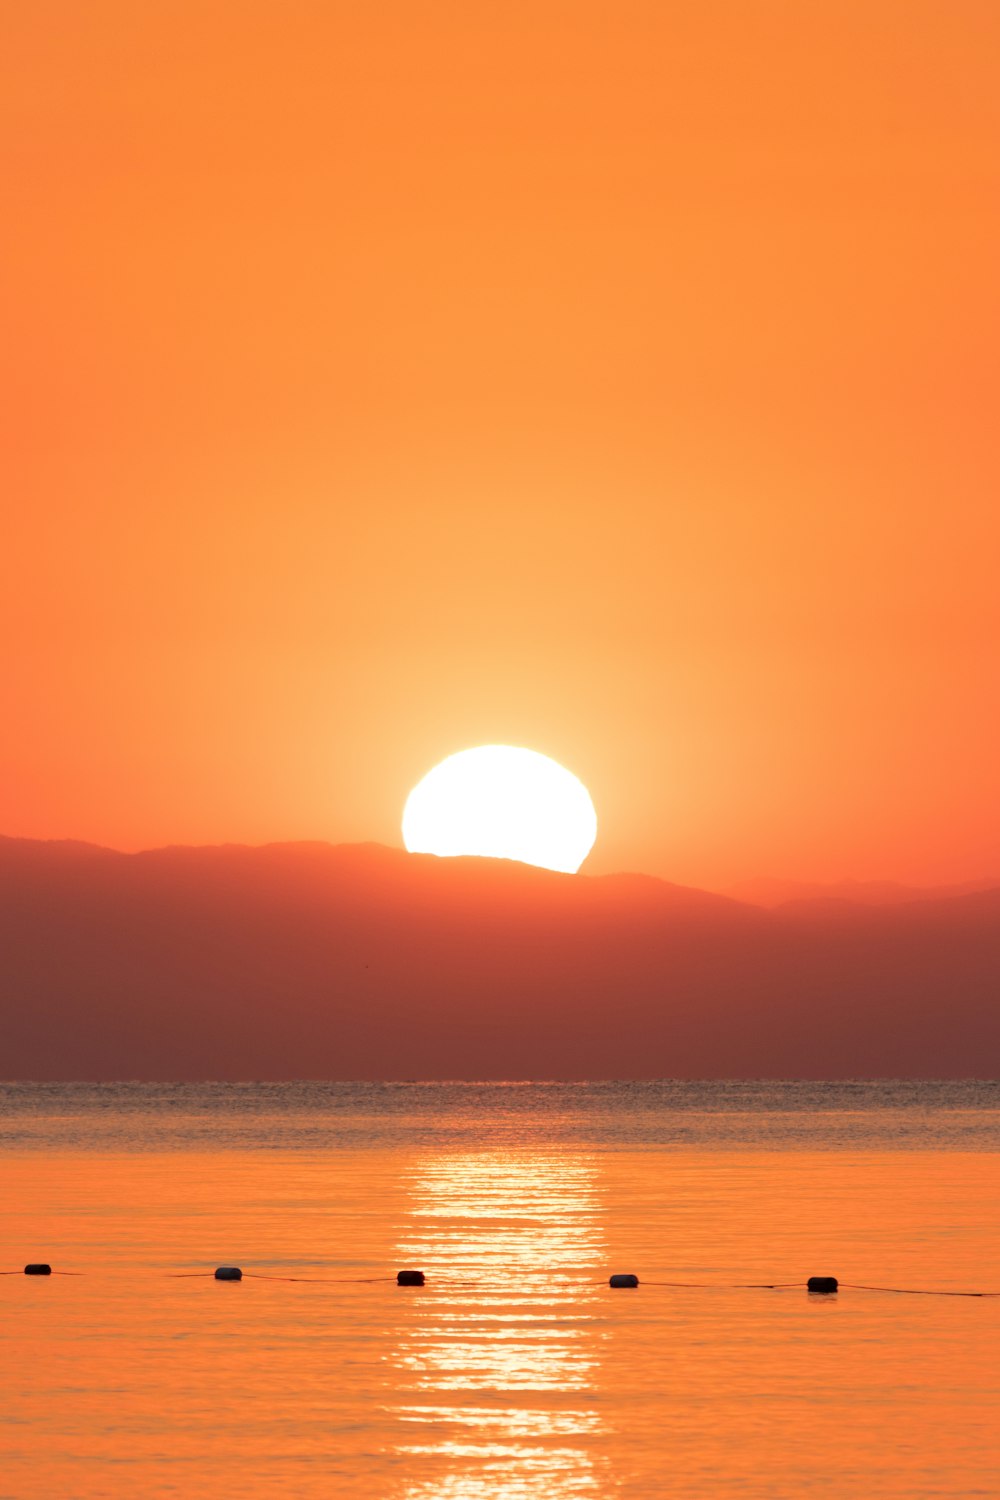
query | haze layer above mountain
[357, 961]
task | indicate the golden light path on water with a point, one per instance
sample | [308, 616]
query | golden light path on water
[497, 1373]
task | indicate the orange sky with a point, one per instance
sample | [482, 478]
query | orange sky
[617, 380]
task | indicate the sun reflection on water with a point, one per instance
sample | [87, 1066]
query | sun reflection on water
[500, 1351]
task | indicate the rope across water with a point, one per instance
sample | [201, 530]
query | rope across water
[446, 1283]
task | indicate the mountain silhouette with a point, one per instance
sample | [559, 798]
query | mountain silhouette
[309, 960]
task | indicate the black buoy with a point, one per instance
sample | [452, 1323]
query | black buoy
[625, 1279]
[39, 1269]
[228, 1273]
[409, 1278]
[822, 1285]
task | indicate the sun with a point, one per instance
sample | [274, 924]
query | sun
[503, 802]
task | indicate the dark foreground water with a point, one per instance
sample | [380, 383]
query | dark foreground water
[515, 1371]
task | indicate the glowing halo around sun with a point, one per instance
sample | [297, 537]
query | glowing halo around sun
[503, 802]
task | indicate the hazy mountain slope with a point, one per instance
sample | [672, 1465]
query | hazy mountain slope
[767, 891]
[307, 960]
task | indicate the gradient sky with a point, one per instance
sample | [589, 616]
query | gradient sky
[613, 379]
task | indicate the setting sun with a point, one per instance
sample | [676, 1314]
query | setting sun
[504, 802]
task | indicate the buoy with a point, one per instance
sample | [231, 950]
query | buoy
[228, 1273]
[38, 1270]
[823, 1285]
[409, 1278]
[626, 1279]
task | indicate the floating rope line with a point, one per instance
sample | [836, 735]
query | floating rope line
[729, 1286]
[329, 1280]
[910, 1291]
[449, 1283]
[47, 1272]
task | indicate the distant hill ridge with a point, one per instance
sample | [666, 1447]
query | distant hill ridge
[769, 892]
[762, 891]
[360, 961]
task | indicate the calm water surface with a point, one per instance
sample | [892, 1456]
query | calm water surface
[515, 1371]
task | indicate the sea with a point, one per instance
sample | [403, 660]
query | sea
[515, 1372]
